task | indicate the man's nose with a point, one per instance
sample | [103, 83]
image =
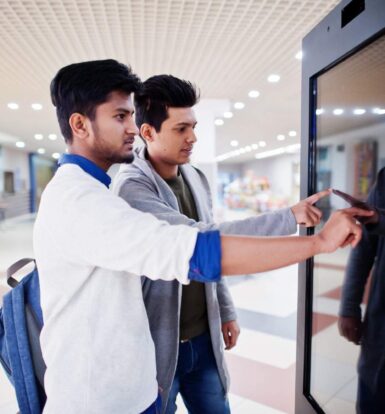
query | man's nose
[132, 128]
[192, 138]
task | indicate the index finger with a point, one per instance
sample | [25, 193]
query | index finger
[317, 196]
[355, 211]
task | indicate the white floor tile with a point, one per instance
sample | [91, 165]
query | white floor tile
[349, 392]
[326, 280]
[339, 257]
[339, 406]
[329, 378]
[272, 293]
[329, 344]
[268, 349]
[7, 393]
[326, 306]
[10, 408]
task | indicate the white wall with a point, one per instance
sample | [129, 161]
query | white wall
[16, 161]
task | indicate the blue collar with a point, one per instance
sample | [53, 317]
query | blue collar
[86, 165]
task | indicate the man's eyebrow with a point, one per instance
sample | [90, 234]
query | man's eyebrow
[185, 123]
[125, 110]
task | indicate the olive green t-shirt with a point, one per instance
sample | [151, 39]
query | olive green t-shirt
[193, 317]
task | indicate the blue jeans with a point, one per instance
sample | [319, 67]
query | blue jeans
[197, 379]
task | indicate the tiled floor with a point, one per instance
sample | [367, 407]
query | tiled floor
[333, 375]
[262, 366]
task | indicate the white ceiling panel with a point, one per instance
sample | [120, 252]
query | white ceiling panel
[226, 47]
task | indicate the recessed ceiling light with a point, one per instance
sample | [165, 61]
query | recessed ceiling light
[359, 111]
[239, 105]
[281, 137]
[13, 105]
[41, 151]
[292, 133]
[254, 94]
[254, 146]
[262, 144]
[219, 122]
[319, 111]
[248, 148]
[299, 55]
[228, 114]
[242, 150]
[338, 111]
[56, 155]
[273, 78]
[52, 137]
[379, 111]
[37, 106]
[234, 143]
[39, 137]
[20, 144]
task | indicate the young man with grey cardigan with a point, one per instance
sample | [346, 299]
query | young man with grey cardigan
[187, 323]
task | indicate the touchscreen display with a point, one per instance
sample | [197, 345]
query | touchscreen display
[349, 120]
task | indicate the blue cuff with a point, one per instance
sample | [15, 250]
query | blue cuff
[205, 263]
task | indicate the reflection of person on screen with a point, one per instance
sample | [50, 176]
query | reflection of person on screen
[369, 332]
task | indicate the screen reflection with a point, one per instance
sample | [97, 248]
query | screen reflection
[347, 285]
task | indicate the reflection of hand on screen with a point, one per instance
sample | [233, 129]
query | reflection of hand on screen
[350, 328]
[354, 202]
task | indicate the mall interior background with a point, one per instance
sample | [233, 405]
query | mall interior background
[245, 57]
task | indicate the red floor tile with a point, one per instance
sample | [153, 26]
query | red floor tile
[336, 293]
[321, 322]
[262, 383]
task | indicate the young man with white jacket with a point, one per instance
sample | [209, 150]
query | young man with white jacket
[188, 320]
[91, 247]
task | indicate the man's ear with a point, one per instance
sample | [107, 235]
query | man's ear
[79, 125]
[147, 132]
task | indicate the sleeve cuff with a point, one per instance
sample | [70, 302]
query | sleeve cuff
[292, 222]
[205, 263]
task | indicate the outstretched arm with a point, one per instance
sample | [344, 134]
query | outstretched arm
[242, 255]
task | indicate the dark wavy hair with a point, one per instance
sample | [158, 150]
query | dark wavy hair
[81, 87]
[159, 93]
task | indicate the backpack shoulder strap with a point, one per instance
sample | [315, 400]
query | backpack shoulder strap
[14, 269]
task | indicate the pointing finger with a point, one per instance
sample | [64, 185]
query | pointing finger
[354, 211]
[317, 196]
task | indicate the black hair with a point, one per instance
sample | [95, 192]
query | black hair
[81, 87]
[159, 93]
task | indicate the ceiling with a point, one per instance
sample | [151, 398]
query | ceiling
[226, 47]
[356, 84]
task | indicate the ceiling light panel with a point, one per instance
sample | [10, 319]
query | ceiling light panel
[228, 47]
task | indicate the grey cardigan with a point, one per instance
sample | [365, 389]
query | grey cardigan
[142, 187]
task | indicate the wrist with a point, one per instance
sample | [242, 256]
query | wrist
[293, 211]
[319, 244]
